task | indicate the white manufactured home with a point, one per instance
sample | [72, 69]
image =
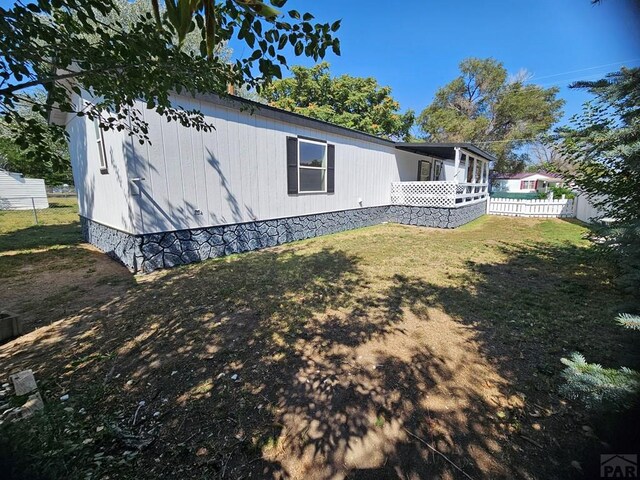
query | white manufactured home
[263, 177]
[527, 182]
[20, 193]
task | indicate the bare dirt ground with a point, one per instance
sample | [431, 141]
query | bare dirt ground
[55, 284]
[356, 355]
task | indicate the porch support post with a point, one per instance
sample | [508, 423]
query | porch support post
[456, 164]
[475, 170]
[466, 168]
[456, 168]
[487, 176]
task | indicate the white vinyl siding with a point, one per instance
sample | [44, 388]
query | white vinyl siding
[102, 154]
[106, 199]
[185, 178]
[20, 193]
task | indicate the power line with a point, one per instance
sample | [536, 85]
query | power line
[567, 81]
[584, 69]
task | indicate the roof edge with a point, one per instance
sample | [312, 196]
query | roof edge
[232, 101]
[466, 145]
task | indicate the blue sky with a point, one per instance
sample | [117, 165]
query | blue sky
[415, 46]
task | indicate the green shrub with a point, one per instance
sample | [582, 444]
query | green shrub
[558, 192]
[597, 387]
[602, 388]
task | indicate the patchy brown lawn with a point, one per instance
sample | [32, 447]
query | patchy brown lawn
[336, 357]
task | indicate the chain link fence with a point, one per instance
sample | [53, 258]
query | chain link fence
[22, 212]
[61, 191]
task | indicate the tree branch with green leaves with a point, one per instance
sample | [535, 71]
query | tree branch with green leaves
[602, 148]
[72, 46]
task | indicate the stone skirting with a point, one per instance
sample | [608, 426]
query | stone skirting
[122, 246]
[462, 215]
[145, 253]
[436, 217]
[168, 249]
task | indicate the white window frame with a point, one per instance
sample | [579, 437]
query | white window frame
[102, 151]
[325, 162]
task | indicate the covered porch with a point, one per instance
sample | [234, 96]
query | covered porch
[451, 175]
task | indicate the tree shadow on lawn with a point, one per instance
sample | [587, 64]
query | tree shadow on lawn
[545, 302]
[41, 236]
[293, 362]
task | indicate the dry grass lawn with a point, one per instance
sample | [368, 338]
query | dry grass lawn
[336, 357]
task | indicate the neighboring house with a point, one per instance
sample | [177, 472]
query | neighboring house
[263, 177]
[526, 182]
[20, 193]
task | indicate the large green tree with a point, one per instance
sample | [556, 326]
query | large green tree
[354, 102]
[485, 106]
[67, 46]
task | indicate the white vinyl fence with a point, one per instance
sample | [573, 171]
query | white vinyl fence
[518, 207]
[586, 211]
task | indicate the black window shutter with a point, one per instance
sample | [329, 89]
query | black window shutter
[331, 168]
[419, 170]
[292, 164]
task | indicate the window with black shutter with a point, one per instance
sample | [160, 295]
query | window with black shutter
[331, 168]
[310, 166]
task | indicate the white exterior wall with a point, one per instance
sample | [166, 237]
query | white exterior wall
[103, 197]
[20, 193]
[238, 172]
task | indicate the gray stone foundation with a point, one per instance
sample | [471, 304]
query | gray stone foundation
[461, 215]
[122, 246]
[435, 216]
[168, 249]
[164, 250]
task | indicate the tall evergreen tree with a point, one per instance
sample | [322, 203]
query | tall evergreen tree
[603, 147]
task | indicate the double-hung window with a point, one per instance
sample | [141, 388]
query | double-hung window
[312, 166]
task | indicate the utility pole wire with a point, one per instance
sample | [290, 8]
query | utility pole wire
[583, 69]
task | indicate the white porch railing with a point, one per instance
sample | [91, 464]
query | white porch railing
[437, 194]
[471, 192]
